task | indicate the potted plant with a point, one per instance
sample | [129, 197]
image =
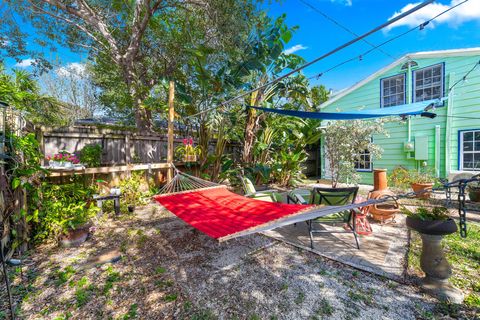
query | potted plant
[435, 221]
[474, 191]
[64, 213]
[421, 181]
[187, 151]
[433, 224]
[62, 159]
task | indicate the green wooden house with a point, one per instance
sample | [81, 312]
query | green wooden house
[449, 143]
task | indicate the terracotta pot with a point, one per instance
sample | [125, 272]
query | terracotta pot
[418, 187]
[383, 211]
[74, 237]
[474, 194]
[380, 179]
[436, 227]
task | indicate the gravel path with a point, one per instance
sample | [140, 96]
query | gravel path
[170, 271]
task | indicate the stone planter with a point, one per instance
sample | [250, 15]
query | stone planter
[74, 237]
[432, 259]
[474, 193]
[437, 227]
[419, 187]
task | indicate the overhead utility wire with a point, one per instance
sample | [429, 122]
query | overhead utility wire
[360, 56]
[464, 78]
[323, 14]
[347, 44]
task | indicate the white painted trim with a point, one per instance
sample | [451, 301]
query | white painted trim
[411, 56]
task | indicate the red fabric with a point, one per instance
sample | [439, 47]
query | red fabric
[219, 212]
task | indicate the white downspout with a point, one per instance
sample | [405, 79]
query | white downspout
[448, 125]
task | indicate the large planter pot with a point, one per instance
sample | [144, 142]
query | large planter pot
[437, 227]
[474, 194]
[74, 237]
[421, 187]
[432, 259]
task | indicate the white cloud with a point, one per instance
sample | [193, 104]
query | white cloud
[73, 69]
[25, 63]
[465, 12]
[294, 49]
[5, 43]
[347, 3]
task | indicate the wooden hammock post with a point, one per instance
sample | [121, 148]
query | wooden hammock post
[171, 114]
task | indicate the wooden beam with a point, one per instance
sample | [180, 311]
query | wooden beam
[171, 114]
[80, 171]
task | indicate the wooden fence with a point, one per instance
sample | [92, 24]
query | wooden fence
[120, 147]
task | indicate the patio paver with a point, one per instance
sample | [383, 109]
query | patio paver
[383, 252]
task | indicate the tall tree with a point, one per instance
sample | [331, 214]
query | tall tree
[142, 41]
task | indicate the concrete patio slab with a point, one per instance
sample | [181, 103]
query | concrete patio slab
[383, 252]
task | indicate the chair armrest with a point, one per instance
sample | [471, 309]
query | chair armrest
[267, 191]
[296, 198]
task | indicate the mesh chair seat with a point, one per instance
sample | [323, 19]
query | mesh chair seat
[334, 197]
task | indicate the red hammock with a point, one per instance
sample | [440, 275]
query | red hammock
[222, 214]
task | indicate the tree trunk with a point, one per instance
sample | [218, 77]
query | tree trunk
[249, 136]
[143, 119]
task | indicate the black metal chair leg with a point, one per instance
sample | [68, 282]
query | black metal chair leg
[354, 231]
[311, 233]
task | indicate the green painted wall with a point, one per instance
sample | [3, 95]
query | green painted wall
[464, 101]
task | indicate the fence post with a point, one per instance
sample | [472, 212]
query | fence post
[128, 153]
[171, 114]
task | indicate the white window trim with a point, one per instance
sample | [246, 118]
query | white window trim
[404, 88]
[414, 80]
[461, 152]
[370, 168]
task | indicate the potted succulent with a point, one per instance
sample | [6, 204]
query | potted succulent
[474, 191]
[187, 151]
[421, 181]
[433, 224]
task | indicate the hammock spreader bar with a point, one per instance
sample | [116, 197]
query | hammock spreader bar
[412, 109]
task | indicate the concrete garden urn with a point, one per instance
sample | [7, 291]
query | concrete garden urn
[432, 259]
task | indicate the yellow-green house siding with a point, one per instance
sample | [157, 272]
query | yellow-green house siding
[464, 101]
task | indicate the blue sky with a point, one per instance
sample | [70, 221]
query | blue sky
[316, 35]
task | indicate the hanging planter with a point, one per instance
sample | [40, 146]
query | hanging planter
[187, 152]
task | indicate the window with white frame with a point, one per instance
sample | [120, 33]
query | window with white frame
[470, 150]
[363, 161]
[428, 83]
[393, 91]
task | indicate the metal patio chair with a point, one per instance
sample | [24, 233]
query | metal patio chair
[251, 192]
[334, 197]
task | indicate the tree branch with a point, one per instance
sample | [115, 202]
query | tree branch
[90, 17]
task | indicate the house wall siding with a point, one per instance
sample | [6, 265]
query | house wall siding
[465, 102]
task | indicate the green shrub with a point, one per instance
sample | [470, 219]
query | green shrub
[61, 208]
[91, 155]
[131, 189]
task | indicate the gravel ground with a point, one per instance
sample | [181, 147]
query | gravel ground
[170, 271]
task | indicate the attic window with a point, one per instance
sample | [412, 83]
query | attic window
[428, 83]
[393, 91]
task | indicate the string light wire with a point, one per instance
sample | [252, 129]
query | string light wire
[361, 56]
[331, 52]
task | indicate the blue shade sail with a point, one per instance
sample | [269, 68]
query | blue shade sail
[411, 109]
